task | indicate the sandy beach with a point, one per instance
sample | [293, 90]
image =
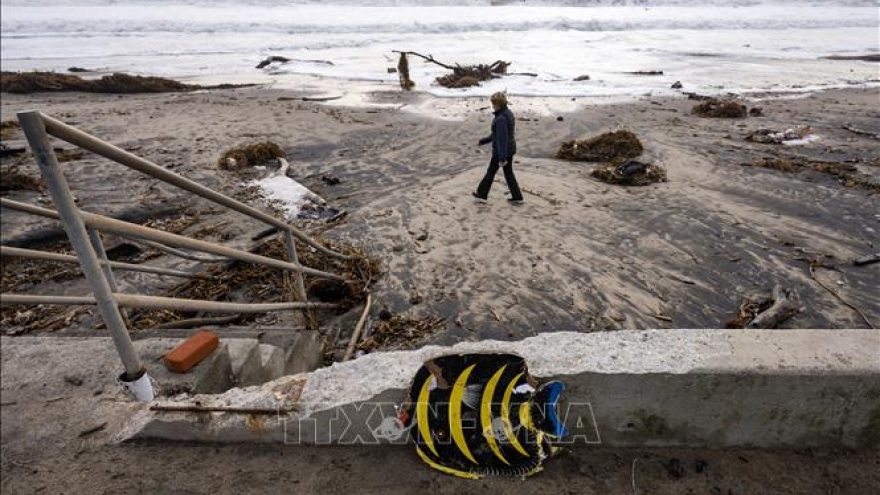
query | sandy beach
[580, 255]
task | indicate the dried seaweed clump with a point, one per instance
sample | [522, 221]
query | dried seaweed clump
[400, 332]
[471, 75]
[124, 83]
[630, 173]
[20, 275]
[248, 282]
[250, 155]
[34, 82]
[20, 319]
[713, 107]
[607, 147]
[8, 129]
[13, 179]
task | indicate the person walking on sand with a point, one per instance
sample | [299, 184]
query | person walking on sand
[503, 139]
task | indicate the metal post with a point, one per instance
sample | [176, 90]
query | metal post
[35, 131]
[98, 246]
[299, 288]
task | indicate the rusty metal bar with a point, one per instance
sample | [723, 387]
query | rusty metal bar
[226, 409]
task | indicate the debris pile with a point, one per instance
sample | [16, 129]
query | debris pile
[8, 128]
[251, 155]
[714, 107]
[472, 75]
[33, 82]
[630, 173]
[12, 178]
[461, 77]
[795, 135]
[608, 147]
[400, 332]
[239, 281]
[766, 310]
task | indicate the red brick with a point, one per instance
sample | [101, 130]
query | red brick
[191, 351]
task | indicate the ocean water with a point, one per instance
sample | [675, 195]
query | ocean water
[711, 46]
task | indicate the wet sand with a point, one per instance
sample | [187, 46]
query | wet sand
[578, 255]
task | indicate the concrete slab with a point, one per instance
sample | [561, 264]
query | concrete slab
[211, 376]
[273, 362]
[244, 356]
[715, 388]
[306, 355]
[304, 350]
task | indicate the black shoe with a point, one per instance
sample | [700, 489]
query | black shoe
[516, 201]
[478, 198]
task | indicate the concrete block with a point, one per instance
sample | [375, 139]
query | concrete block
[306, 355]
[212, 375]
[272, 361]
[244, 354]
[304, 350]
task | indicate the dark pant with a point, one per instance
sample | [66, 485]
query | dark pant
[486, 183]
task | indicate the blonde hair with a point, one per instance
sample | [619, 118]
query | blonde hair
[499, 99]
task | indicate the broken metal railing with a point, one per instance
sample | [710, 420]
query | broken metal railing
[83, 229]
[13, 252]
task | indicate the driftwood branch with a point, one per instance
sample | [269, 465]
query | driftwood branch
[403, 73]
[429, 58]
[356, 335]
[785, 305]
[284, 60]
[461, 77]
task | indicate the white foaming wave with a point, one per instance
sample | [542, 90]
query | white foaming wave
[14, 29]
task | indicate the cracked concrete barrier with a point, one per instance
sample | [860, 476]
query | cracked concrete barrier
[706, 388]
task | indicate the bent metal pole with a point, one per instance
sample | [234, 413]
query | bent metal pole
[35, 131]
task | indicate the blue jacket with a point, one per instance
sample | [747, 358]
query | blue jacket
[503, 136]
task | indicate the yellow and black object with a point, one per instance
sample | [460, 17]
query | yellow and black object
[477, 414]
